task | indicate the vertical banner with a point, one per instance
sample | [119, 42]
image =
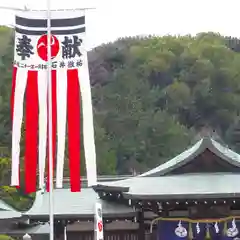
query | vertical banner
[98, 221]
[70, 85]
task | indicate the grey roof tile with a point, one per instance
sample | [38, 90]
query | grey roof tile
[190, 186]
[75, 205]
[225, 153]
[4, 214]
[8, 212]
[31, 230]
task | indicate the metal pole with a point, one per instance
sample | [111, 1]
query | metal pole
[49, 79]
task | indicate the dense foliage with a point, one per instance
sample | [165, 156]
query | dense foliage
[151, 96]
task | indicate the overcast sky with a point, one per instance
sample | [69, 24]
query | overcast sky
[119, 18]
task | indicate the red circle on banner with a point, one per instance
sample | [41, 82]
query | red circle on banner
[42, 47]
[100, 226]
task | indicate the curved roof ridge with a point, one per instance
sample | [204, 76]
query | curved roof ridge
[226, 153]
[220, 150]
[176, 160]
[185, 157]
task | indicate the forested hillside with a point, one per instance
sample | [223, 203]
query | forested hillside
[151, 97]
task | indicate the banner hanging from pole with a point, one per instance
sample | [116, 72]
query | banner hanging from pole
[70, 85]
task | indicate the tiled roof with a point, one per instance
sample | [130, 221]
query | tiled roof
[69, 204]
[156, 184]
[186, 186]
[7, 212]
[221, 151]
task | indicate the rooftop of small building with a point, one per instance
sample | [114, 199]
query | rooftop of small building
[78, 205]
[186, 186]
[166, 181]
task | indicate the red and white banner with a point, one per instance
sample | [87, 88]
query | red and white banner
[70, 84]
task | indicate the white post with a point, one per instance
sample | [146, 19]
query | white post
[98, 220]
[49, 78]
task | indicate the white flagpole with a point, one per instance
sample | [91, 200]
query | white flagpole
[49, 76]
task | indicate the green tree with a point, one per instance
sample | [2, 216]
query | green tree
[150, 96]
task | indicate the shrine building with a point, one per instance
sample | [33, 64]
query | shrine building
[195, 195]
